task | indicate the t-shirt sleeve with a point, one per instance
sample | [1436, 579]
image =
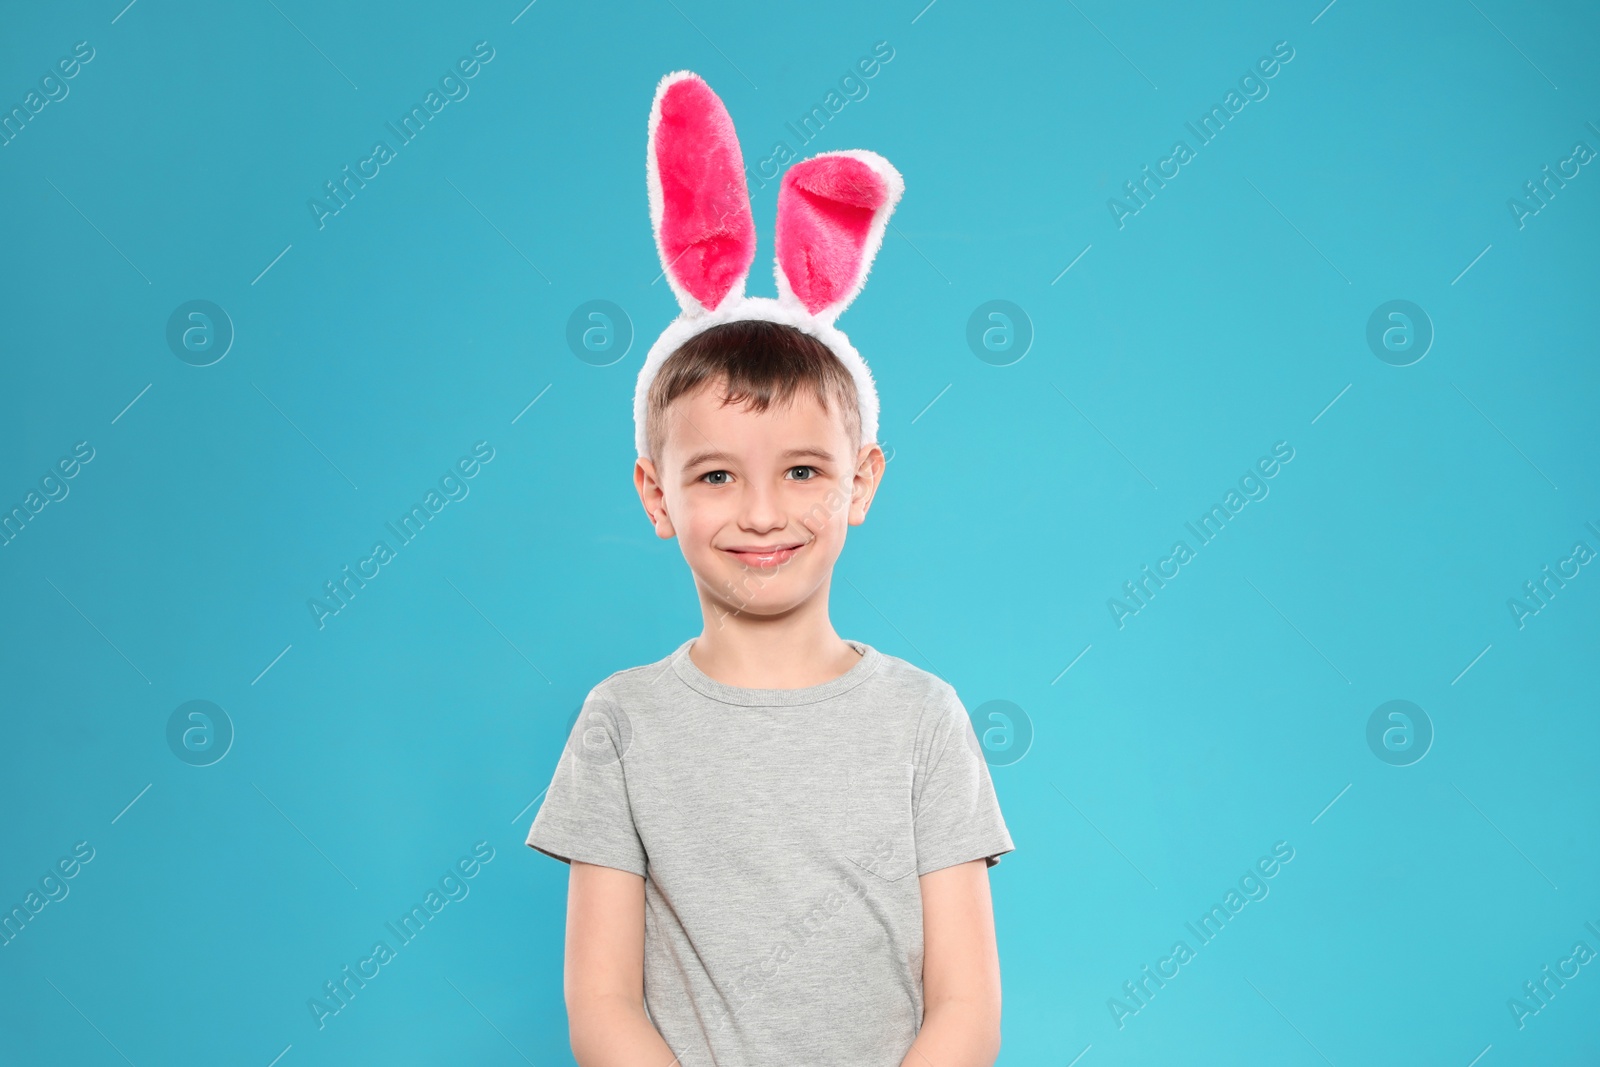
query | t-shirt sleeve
[957, 813]
[586, 814]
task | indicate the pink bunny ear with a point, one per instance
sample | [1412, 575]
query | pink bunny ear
[832, 210]
[699, 206]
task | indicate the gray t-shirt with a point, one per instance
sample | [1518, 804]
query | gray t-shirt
[779, 833]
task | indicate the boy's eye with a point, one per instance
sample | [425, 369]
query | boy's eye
[714, 477]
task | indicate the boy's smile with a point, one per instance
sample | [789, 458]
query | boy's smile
[759, 500]
[769, 556]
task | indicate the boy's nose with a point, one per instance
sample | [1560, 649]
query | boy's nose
[760, 510]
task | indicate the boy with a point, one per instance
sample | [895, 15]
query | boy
[779, 839]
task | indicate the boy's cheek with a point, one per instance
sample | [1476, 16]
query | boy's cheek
[700, 530]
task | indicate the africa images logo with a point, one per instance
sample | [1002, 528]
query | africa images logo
[453, 84]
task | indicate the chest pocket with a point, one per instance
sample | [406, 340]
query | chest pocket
[880, 833]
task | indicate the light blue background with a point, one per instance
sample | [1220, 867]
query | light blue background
[1229, 314]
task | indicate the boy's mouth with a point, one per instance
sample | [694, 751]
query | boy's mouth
[764, 557]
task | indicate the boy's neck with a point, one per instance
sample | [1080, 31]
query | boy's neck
[793, 652]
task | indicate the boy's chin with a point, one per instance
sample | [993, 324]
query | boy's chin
[748, 610]
[776, 598]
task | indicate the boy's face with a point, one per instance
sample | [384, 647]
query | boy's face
[759, 501]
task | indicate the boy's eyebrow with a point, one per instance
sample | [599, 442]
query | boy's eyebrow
[710, 454]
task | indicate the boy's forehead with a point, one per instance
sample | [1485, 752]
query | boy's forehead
[700, 422]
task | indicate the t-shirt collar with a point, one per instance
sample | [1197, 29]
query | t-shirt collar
[703, 683]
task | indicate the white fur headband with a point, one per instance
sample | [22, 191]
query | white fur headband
[832, 212]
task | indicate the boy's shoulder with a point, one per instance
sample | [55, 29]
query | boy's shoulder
[632, 683]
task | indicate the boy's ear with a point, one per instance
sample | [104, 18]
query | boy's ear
[652, 497]
[870, 465]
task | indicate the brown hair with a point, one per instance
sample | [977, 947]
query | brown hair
[760, 363]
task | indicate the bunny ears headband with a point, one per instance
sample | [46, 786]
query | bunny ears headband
[832, 211]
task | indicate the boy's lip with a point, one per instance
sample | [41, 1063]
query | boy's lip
[764, 556]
